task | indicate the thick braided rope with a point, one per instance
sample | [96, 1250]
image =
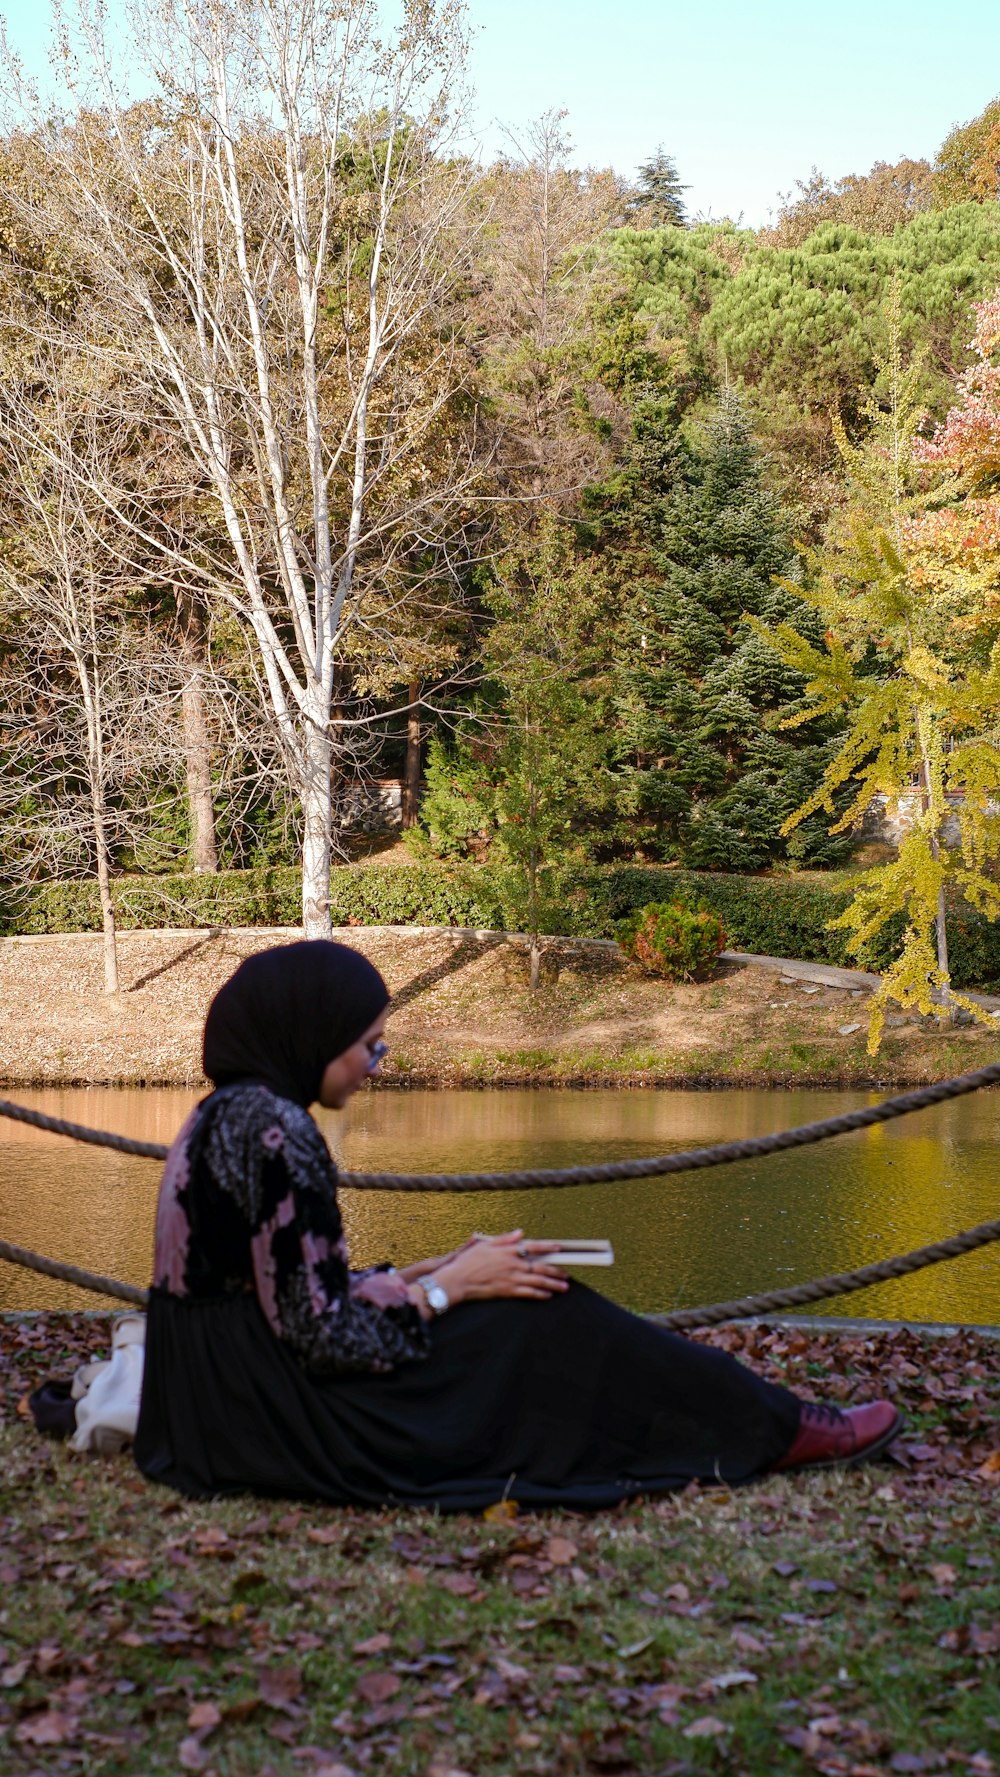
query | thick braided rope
[724, 1154]
[98, 1138]
[840, 1283]
[85, 1280]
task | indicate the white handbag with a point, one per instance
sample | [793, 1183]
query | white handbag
[107, 1394]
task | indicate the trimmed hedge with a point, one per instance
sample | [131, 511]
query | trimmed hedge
[773, 916]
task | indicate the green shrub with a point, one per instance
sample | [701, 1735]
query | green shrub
[772, 916]
[673, 939]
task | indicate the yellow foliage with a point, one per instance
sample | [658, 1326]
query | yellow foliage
[912, 660]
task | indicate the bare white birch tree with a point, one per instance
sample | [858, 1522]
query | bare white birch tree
[275, 234]
[85, 702]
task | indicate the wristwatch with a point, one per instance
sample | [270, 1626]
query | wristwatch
[437, 1295]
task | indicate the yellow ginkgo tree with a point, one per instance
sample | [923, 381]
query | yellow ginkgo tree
[912, 662]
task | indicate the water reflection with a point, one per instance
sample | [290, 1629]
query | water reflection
[696, 1237]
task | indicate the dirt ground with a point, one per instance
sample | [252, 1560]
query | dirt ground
[464, 1014]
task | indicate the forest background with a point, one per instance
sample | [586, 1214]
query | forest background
[331, 454]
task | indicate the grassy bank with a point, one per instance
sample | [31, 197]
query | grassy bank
[843, 1623]
[463, 1014]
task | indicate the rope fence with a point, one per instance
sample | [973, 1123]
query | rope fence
[724, 1153]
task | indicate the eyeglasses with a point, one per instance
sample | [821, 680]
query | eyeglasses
[377, 1052]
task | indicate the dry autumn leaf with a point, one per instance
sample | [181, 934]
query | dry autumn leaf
[378, 1687]
[376, 1644]
[281, 1687]
[203, 1718]
[51, 1728]
[560, 1551]
[461, 1585]
[504, 1512]
[704, 1728]
[192, 1755]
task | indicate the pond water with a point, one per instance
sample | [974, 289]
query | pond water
[696, 1237]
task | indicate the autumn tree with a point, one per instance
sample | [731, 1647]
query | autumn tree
[877, 202]
[535, 279]
[271, 231]
[912, 661]
[968, 161]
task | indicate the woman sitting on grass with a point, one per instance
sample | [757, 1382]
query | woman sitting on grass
[453, 1383]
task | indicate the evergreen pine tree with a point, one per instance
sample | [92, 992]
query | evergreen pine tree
[657, 199]
[708, 776]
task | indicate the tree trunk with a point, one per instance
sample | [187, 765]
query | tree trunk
[536, 955]
[90, 691]
[940, 922]
[411, 775]
[96, 767]
[203, 855]
[941, 932]
[317, 814]
[107, 906]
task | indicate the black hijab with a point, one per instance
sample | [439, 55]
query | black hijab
[287, 1013]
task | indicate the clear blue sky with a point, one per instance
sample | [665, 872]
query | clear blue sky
[747, 95]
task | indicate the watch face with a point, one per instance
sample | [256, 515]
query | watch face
[437, 1297]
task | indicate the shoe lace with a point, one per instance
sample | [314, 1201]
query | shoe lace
[817, 1413]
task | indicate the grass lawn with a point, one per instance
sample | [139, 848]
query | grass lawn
[839, 1622]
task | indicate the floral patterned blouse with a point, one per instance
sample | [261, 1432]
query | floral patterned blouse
[249, 1202]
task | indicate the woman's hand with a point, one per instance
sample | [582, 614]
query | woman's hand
[386, 1289]
[502, 1265]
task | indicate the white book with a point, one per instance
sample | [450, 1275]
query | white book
[582, 1252]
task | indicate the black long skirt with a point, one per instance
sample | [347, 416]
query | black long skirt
[570, 1402]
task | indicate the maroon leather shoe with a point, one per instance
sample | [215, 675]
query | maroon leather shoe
[830, 1435]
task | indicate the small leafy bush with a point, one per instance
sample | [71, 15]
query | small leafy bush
[674, 939]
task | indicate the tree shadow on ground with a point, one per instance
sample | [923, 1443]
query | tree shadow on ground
[173, 961]
[466, 951]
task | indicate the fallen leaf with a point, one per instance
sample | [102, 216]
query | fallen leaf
[281, 1687]
[943, 1574]
[990, 1469]
[727, 1680]
[504, 1512]
[636, 1647]
[826, 1725]
[241, 1708]
[560, 1551]
[192, 1755]
[48, 1729]
[324, 1533]
[378, 1687]
[704, 1728]
[376, 1644]
[14, 1675]
[461, 1585]
[509, 1672]
[203, 1718]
